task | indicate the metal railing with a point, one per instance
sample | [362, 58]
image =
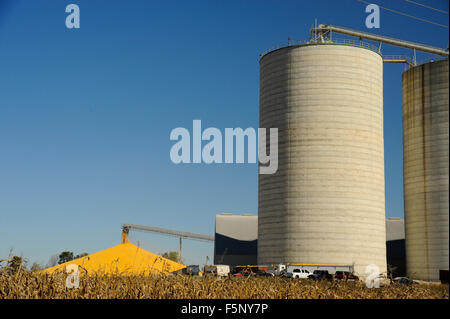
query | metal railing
[356, 43]
[399, 59]
[281, 45]
[427, 60]
[349, 42]
[409, 61]
[379, 38]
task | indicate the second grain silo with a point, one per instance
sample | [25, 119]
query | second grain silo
[426, 176]
[325, 204]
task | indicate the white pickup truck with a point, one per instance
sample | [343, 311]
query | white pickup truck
[298, 273]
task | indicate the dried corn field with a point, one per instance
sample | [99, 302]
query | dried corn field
[34, 285]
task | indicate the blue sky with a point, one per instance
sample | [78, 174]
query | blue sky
[85, 115]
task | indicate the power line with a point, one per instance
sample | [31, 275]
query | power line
[428, 7]
[407, 15]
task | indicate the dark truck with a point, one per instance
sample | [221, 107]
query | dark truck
[191, 270]
[320, 275]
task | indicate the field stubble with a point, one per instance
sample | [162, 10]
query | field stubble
[36, 285]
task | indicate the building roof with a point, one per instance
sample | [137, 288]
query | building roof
[395, 229]
[241, 227]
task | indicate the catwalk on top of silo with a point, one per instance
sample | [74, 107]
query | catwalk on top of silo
[425, 165]
[325, 204]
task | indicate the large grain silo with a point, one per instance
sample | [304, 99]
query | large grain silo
[325, 204]
[426, 178]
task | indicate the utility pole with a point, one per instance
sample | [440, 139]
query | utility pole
[179, 250]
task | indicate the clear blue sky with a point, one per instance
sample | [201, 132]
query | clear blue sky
[85, 115]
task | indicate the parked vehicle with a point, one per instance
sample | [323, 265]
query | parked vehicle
[299, 273]
[252, 269]
[242, 273]
[345, 275]
[320, 275]
[217, 270]
[238, 274]
[191, 270]
[287, 270]
[331, 268]
[404, 281]
[262, 273]
[278, 270]
[258, 273]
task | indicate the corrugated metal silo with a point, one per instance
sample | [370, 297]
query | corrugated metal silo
[325, 204]
[425, 165]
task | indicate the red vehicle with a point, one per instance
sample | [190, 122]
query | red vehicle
[242, 274]
[345, 275]
[250, 269]
[258, 273]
